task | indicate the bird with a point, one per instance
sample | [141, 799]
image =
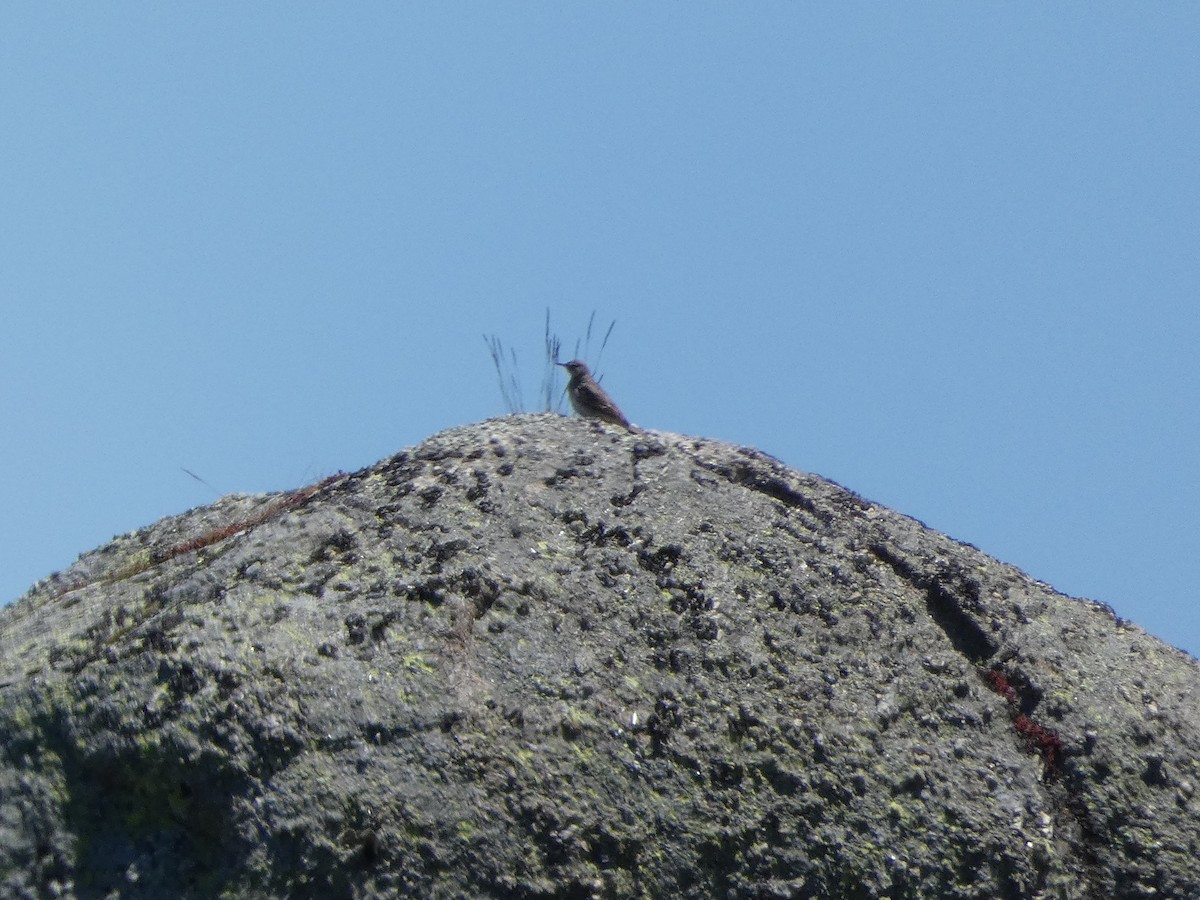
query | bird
[589, 399]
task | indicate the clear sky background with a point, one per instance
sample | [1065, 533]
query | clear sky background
[945, 254]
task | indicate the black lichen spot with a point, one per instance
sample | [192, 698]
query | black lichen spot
[478, 491]
[681, 660]
[380, 622]
[599, 535]
[432, 592]
[356, 628]
[430, 495]
[447, 550]
[158, 637]
[180, 677]
[742, 723]
[1155, 774]
[621, 500]
[914, 785]
[665, 719]
[725, 773]
[340, 543]
[561, 475]
[228, 681]
[662, 560]
[481, 590]
[646, 450]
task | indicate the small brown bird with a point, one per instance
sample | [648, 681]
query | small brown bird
[589, 399]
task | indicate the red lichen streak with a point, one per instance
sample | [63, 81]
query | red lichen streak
[1038, 738]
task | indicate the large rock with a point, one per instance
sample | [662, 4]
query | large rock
[540, 657]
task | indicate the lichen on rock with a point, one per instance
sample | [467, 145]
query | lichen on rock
[543, 657]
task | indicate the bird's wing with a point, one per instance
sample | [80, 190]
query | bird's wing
[595, 397]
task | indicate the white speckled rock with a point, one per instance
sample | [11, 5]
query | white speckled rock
[543, 657]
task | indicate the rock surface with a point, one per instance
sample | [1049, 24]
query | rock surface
[538, 657]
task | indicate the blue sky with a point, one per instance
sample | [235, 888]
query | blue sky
[945, 254]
